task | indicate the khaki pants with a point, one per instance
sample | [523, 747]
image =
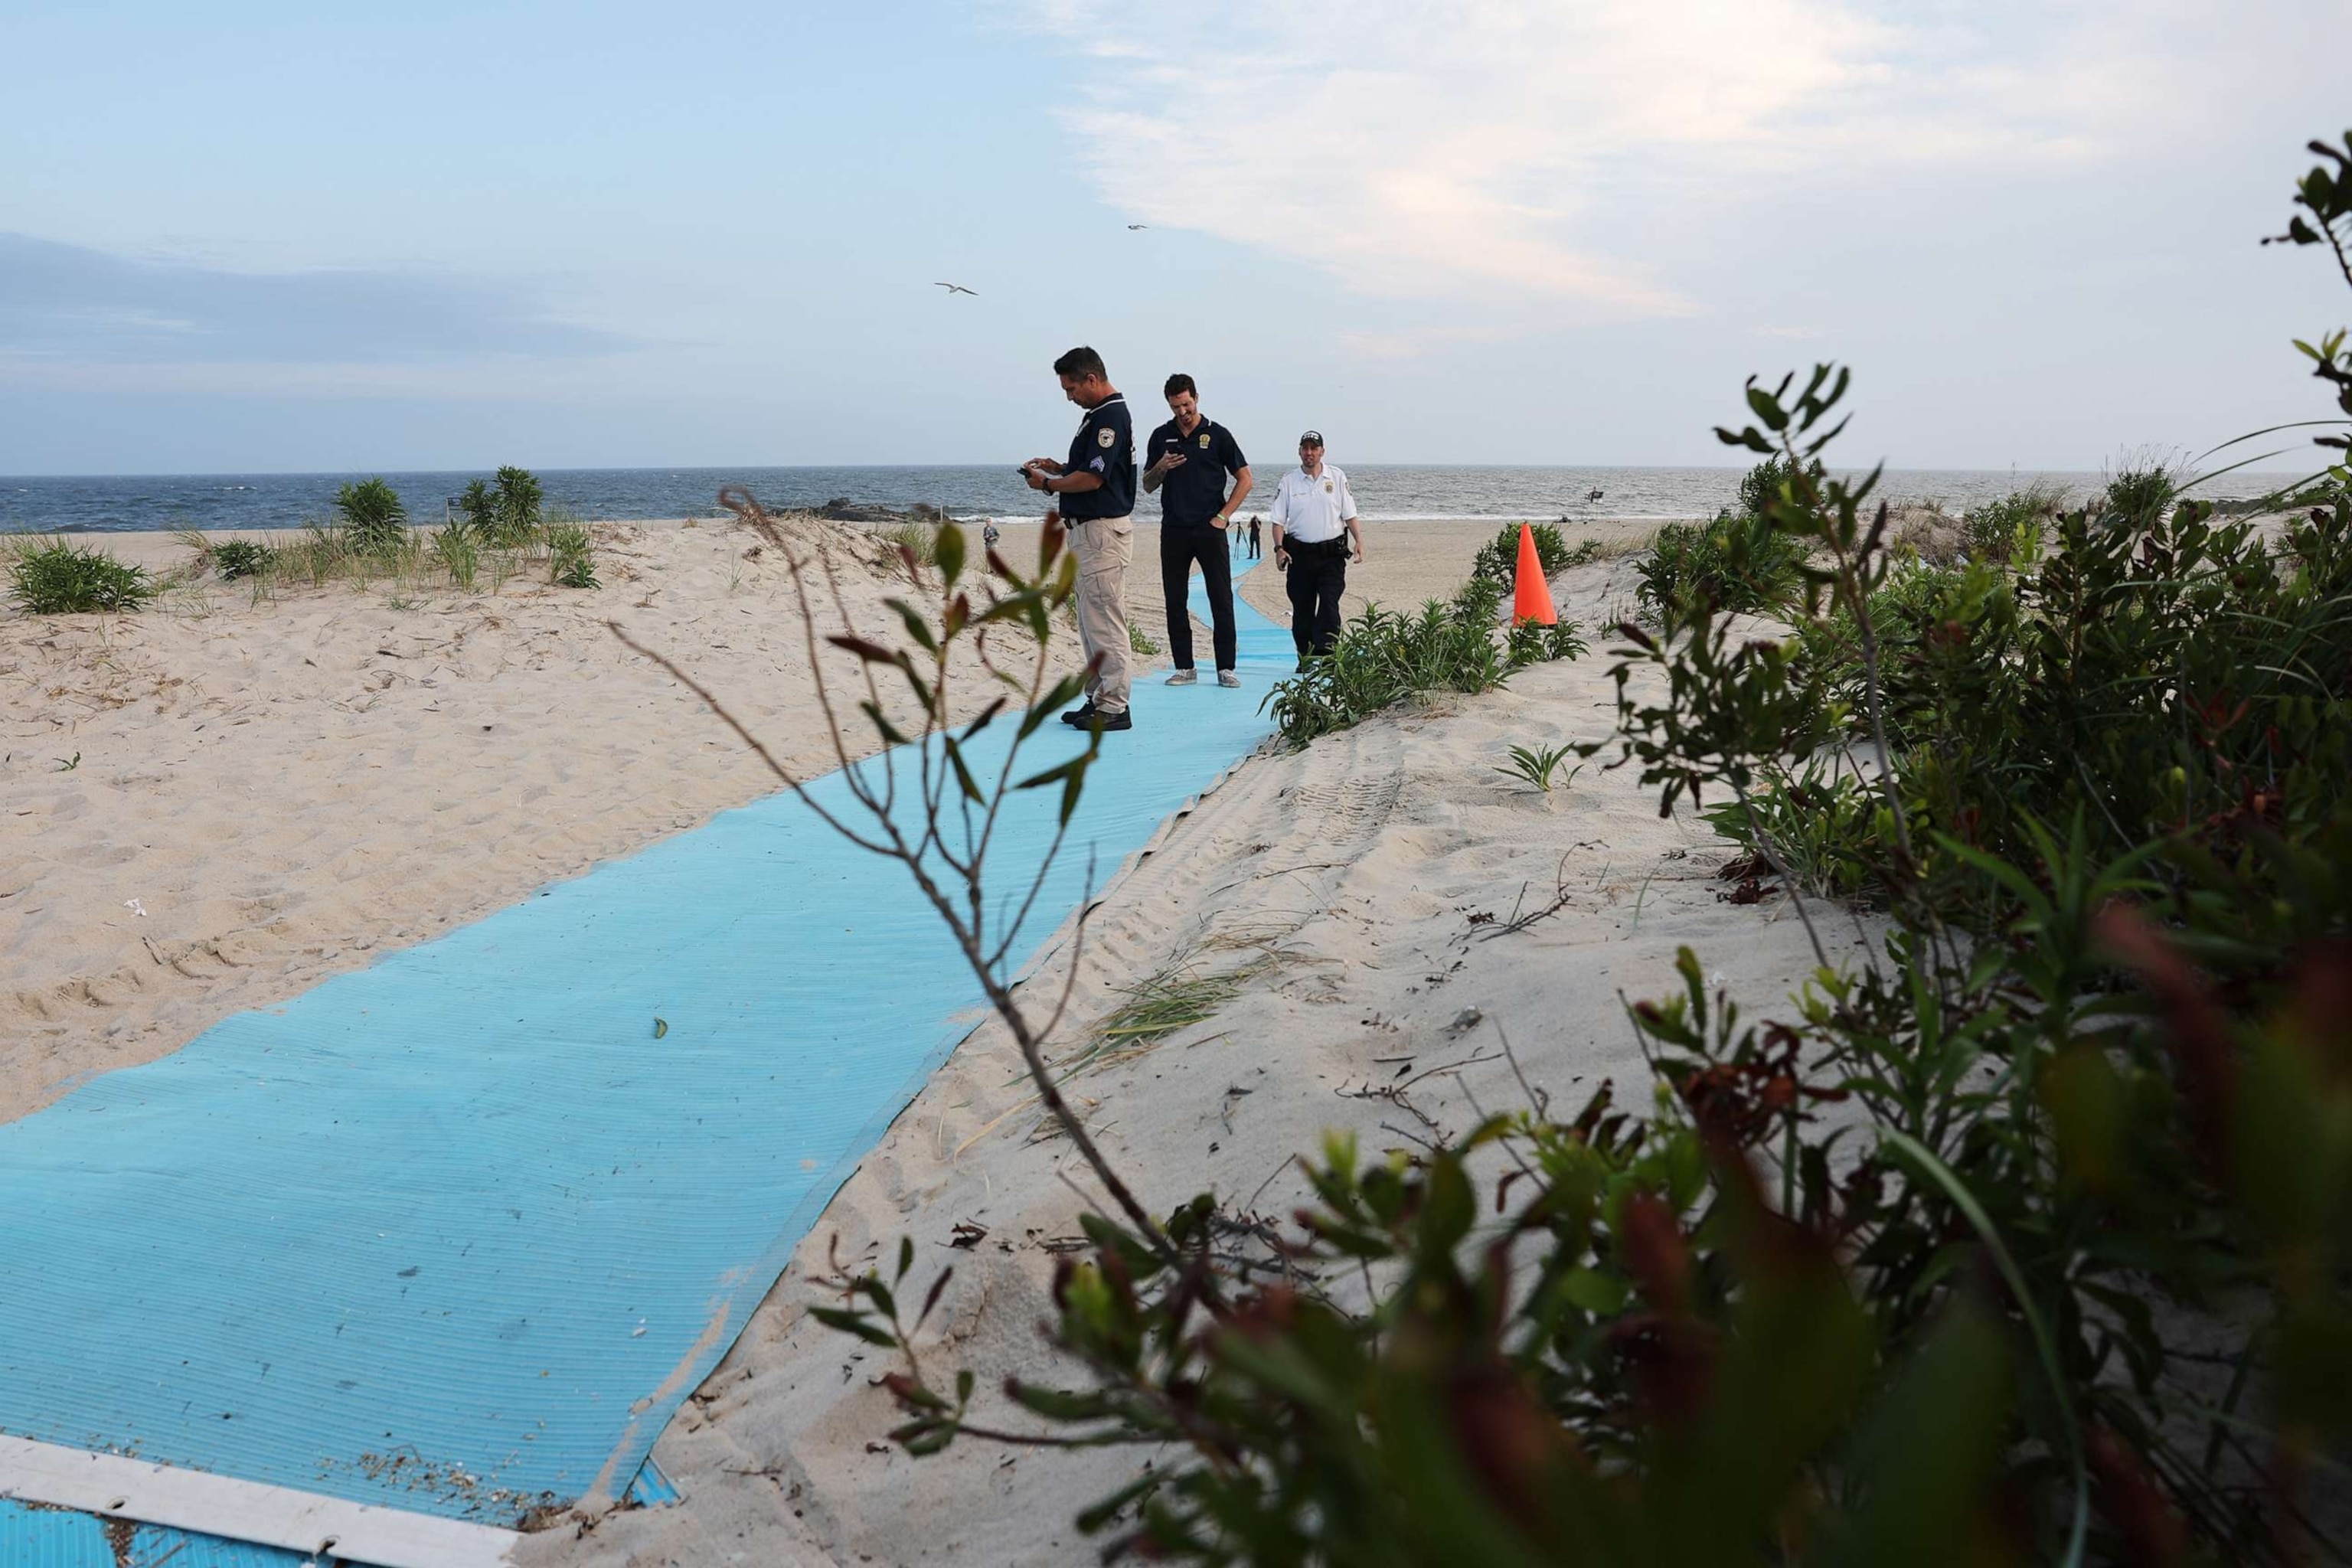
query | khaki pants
[1103, 547]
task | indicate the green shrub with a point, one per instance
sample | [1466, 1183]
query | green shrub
[515, 509]
[571, 556]
[236, 558]
[1736, 564]
[2142, 488]
[51, 577]
[478, 508]
[2010, 529]
[1383, 658]
[1528, 643]
[375, 517]
[1766, 482]
[1497, 560]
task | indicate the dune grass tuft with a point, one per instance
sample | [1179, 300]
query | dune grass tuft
[52, 577]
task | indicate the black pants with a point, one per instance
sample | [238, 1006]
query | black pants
[1253, 555]
[1178, 549]
[1318, 575]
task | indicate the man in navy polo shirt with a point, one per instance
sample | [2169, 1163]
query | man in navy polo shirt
[1096, 489]
[1191, 459]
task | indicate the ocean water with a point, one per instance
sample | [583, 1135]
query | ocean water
[1385, 492]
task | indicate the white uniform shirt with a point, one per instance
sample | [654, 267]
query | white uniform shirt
[1313, 508]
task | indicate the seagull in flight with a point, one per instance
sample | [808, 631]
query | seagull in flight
[1132, 228]
[958, 288]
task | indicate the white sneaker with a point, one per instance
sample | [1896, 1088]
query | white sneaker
[1184, 678]
[1227, 677]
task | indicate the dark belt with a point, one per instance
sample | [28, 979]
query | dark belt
[1316, 548]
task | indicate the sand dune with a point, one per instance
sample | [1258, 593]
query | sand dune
[288, 789]
[1353, 883]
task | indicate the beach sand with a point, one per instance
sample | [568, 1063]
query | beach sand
[1358, 888]
[215, 805]
[288, 788]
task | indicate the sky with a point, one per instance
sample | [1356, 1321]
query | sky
[244, 238]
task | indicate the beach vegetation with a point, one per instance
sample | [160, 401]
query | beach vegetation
[375, 517]
[570, 554]
[2145, 483]
[919, 541]
[1139, 641]
[1384, 657]
[2022, 1232]
[56, 577]
[236, 558]
[1538, 764]
[478, 508]
[515, 512]
[458, 548]
[1738, 564]
[1497, 560]
[2009, 530]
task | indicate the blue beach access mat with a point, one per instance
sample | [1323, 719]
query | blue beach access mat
[455, 1235]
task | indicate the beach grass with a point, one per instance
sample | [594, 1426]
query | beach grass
[461, 557]
[51, 576]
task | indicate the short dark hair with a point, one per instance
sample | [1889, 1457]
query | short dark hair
[1081, 362]
[1178, 382]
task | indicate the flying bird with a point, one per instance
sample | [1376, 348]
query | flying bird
[958, 288]
[1136, 225]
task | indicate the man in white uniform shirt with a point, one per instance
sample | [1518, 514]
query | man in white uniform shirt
[1314, 518]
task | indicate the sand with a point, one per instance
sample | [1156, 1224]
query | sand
[1360, 884]
[215, 805]
[291, 787]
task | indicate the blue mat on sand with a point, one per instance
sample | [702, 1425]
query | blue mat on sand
[457, 1232]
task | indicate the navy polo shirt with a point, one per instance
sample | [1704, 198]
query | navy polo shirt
[1194, 491]
[1105, 444]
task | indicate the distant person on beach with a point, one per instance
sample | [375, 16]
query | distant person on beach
[1314, 516]
[1096, 489]
[1191, 459]
[1253, 550]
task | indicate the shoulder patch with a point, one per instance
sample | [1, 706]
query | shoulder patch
[1105, 435]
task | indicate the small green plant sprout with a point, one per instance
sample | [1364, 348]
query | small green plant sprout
[236, 558]
[51, 577]
[1537, 764]
[67, 764]
[375, 516]
[1140, 640]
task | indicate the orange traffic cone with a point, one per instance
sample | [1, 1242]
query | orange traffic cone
[1531, 597]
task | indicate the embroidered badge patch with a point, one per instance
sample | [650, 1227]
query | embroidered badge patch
[1105, 435]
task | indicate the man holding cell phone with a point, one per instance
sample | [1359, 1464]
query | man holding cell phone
[1190, 460]
[1096, 493]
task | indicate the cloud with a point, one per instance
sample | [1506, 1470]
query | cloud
[68, 302]
[1504, 152]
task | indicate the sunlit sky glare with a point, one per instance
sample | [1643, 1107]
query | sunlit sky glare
[239, 237]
